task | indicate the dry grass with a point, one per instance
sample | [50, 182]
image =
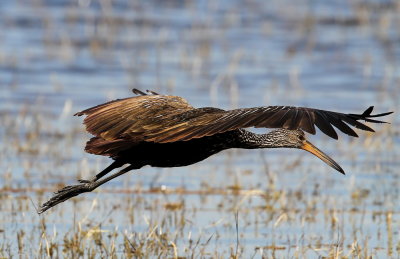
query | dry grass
[238, 204]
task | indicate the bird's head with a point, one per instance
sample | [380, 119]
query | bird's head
[297, 139]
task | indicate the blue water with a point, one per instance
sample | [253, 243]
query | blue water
[59, 57]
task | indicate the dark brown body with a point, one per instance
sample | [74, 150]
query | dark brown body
[180, 153]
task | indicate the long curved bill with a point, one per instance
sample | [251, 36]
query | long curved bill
[321, 155]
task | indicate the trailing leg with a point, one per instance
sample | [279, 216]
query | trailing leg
[74, 190]
[108, 169]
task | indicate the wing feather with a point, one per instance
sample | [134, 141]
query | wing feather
[162, 118]
[343, 127]
[206, 124]
[136, 116]
[322, 122]
[307, 122]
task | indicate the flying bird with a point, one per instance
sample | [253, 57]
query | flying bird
[166, 131]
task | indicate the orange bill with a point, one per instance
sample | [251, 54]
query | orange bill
[321, 155]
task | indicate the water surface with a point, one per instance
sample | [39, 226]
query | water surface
[59, 57]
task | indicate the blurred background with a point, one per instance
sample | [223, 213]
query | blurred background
[58, 57]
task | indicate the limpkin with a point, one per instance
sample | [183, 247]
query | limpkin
[166, 131]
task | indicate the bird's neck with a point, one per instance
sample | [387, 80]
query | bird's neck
[250, 140]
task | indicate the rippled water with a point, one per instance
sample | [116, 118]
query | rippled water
[59, 57]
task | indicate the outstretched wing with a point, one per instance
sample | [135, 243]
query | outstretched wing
[162, 119]
[131, 118]
[217, 121]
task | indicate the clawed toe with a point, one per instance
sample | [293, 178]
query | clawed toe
[84, 181]
[66, 193]
[85, 186]
[71, 189]
[92, 180]
[68, 188]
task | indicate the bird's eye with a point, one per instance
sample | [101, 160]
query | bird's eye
[302, 138]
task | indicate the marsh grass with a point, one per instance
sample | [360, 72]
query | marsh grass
[236, 217]
[237, 204]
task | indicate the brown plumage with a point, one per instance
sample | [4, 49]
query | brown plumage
[166, 131]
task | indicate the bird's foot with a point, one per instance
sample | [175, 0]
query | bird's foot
[94, 179]
[85, 181]
[66, 193]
